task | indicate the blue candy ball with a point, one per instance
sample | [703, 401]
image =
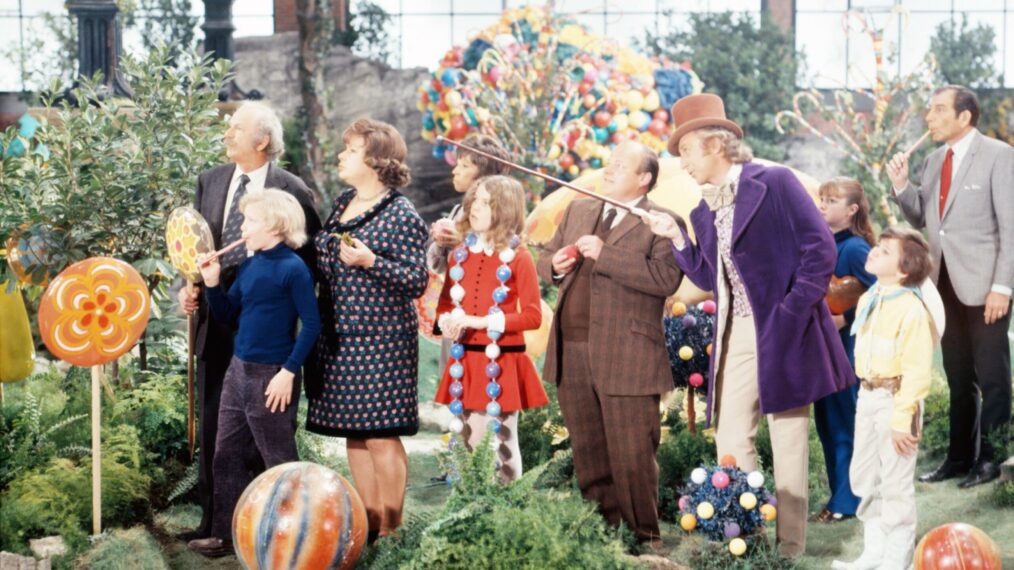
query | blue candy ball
[499, 295]
[492, 389]
[457, 370]
[471, 240]
[515, 241]
[438, 152]
[494, 310]
[457, 351]
[492, 409]
[503, 273]
[494, 335]
[456, 407]
[689, 322]
[495, 426]
[457, 273]
[449, 77]
[460, 255]
[492, 370]
[457, 389]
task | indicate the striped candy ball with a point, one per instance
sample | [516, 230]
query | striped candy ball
[957, 546]
[299, 516]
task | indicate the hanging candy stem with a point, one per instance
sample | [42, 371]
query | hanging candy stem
[632, 209]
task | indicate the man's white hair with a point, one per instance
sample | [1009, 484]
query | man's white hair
[267, 124]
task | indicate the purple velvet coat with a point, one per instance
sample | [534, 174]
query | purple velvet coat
[785, 254]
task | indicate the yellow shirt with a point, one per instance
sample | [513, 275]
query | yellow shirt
[897, 340]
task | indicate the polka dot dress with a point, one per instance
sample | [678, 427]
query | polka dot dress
[370, 366]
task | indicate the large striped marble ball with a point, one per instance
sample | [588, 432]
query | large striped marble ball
[299, 516]
[957, 546]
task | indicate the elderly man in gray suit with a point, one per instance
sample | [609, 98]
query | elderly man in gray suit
[965, 201]
[252, 143]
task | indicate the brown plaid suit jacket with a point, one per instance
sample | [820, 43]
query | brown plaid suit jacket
[633, 275]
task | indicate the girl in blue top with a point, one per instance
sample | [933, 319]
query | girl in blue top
[844, 206]
[260, 392]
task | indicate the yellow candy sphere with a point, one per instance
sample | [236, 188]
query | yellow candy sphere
[705, 510]
[769, 512]
[748, 501]
[679, 309]
[686, 353]
[709, 349]
[737, 547]
[634, 100]
[688, 522]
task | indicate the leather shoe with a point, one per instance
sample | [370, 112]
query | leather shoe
[189, 535]
[211, 547]
[947, 470]
[983, 472]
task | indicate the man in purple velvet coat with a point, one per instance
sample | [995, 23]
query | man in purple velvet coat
[766, 253]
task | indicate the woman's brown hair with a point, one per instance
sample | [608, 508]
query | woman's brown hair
[852, 191]
[507, 209]
[385, 150]
[915, 261]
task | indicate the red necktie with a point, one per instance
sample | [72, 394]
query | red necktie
[945, 180]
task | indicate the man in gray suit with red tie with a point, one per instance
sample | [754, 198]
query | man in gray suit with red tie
[965, 200]
[253, 142]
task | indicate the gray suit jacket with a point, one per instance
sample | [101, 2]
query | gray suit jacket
[976, 235]
[633, 275]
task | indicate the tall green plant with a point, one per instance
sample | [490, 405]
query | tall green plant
[751, 65]
[964, 53]
[116, 168]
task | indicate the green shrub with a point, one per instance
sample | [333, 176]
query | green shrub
[761, 555]
[936, 422]
[1002, 495]
[55, 498]
[131, 548]
[519, 525]
[541, 431]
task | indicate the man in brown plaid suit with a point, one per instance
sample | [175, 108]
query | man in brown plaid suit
[606, 349]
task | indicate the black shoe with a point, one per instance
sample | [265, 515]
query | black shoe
[983, 472]
[195, 534]
[211, 547]
[947, 470]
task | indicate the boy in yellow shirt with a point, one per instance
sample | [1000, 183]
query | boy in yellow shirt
[898, 322]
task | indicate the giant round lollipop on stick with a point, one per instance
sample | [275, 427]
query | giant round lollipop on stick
[91, 314]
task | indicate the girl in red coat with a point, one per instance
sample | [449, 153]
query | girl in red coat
[490, 297]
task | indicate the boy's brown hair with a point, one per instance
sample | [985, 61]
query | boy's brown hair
[915, 261]
[489, 145]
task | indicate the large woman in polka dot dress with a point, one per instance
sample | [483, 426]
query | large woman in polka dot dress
[371, 253]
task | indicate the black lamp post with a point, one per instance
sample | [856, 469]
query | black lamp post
[218, 30]
[98, 41]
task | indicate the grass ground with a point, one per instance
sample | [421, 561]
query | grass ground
[937, 504]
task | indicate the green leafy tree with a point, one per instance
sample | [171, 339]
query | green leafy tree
[366, 32]
[965, 54]
[116, 168]
[751, 66]
[168, 22]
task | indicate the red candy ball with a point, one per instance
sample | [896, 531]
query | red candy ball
[957, 546]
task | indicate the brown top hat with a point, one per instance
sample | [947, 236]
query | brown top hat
[698, 111]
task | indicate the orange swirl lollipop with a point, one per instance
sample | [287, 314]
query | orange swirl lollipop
[94, 311]
[187, 236]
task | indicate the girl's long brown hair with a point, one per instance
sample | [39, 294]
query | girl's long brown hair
[507, 209]
[852, 191]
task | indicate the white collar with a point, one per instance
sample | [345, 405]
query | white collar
[258, 175]
[960, 148]
[734, 174]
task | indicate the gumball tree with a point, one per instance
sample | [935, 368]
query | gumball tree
[726, 503]
[688, 335]
[559, 97]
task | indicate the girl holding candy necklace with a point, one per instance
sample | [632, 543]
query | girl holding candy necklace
[490, 297]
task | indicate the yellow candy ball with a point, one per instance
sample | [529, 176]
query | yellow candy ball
[555, 152]
[769, 512]
[679, 309]
[651, 101]
[748, 501]
[686, 353]
[705, 510]
[709, 349]
[737, 547]
[573, 170]
[688, 522]
[634, 100]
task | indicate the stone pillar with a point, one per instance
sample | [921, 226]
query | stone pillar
[218, 31]
[783, 13]
[98, 41]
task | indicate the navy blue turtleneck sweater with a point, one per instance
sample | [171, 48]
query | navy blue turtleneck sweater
[271, 290]
[852, 252]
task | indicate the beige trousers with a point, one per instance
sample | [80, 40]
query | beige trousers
[505, 443]
[737, 413]
[883, 480]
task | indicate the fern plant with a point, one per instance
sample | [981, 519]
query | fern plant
[30, 440]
